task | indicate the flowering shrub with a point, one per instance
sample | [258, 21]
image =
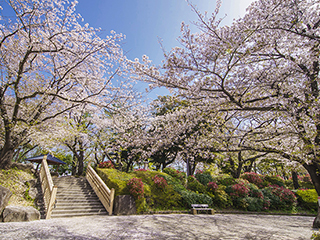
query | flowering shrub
[254, 178]
[107, 164]
[160, 182]
[255, 191]
[305, 178]
[136, 189]
[238, 190]
[305, 181]
[212, 186]
[281, 198]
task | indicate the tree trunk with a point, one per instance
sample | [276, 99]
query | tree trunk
[6, 156]
[295, 180]
[80, 164]
[313, 170]
[240, 164]
[74, 166]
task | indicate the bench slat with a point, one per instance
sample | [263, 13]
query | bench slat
[199, 205]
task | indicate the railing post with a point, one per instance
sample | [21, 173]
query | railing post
[111, 201]
[52, 201]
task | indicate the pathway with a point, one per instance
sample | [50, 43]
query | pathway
[174, 226]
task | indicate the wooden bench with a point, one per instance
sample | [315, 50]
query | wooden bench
[201, 207]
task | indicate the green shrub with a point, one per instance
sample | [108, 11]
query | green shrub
[305, 181]
[225, 180]
[154, 197]
[194, 185]
[308, 199]
[115, 179]
[165, 199]
[315, 236]
[203, 178]
[254, 191]
[254, 204]
[181, 176]
[273, 180]
[221, 199]
[189, 198]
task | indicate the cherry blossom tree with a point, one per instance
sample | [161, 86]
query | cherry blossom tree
[264, 69]
[51, 63]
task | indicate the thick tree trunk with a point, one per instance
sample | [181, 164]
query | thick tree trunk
[6, 156]
[80, 162]
[295, 180]
[313, 170]
[74, 166]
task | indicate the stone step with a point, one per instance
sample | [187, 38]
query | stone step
[71, 193]
[85, 208]
[83, 214]
[78, 204]
[75, 197]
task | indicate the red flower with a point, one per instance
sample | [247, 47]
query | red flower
[136, 188]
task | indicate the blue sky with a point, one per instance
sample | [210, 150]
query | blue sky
[144, 21]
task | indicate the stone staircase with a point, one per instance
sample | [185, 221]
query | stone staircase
[75, 198]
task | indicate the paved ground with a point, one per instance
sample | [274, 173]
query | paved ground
[174, 226]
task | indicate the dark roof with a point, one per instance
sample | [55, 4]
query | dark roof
[50, 159]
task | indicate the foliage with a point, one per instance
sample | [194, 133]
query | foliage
[176, 174]
[254, 178]
[280, 198]
[238, 190]
[160, 182]
[254, 204]
[273, 180]
[136, 189]
[190, 197]
[194, 185]
[315, 235]
[225, 180]
[53, 66]
[258, 78]
[221, 199]
[203, 177]
[63, 168]
[305, 181]
[212, 186]
[307, 199]
[154, 197]
[17, 182]
[106, 164]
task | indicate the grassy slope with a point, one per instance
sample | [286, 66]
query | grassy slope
[14, 180]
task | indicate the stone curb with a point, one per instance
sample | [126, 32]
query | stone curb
[227, 212]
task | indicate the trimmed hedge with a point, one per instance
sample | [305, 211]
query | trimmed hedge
[308, 199]
[154, 197]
